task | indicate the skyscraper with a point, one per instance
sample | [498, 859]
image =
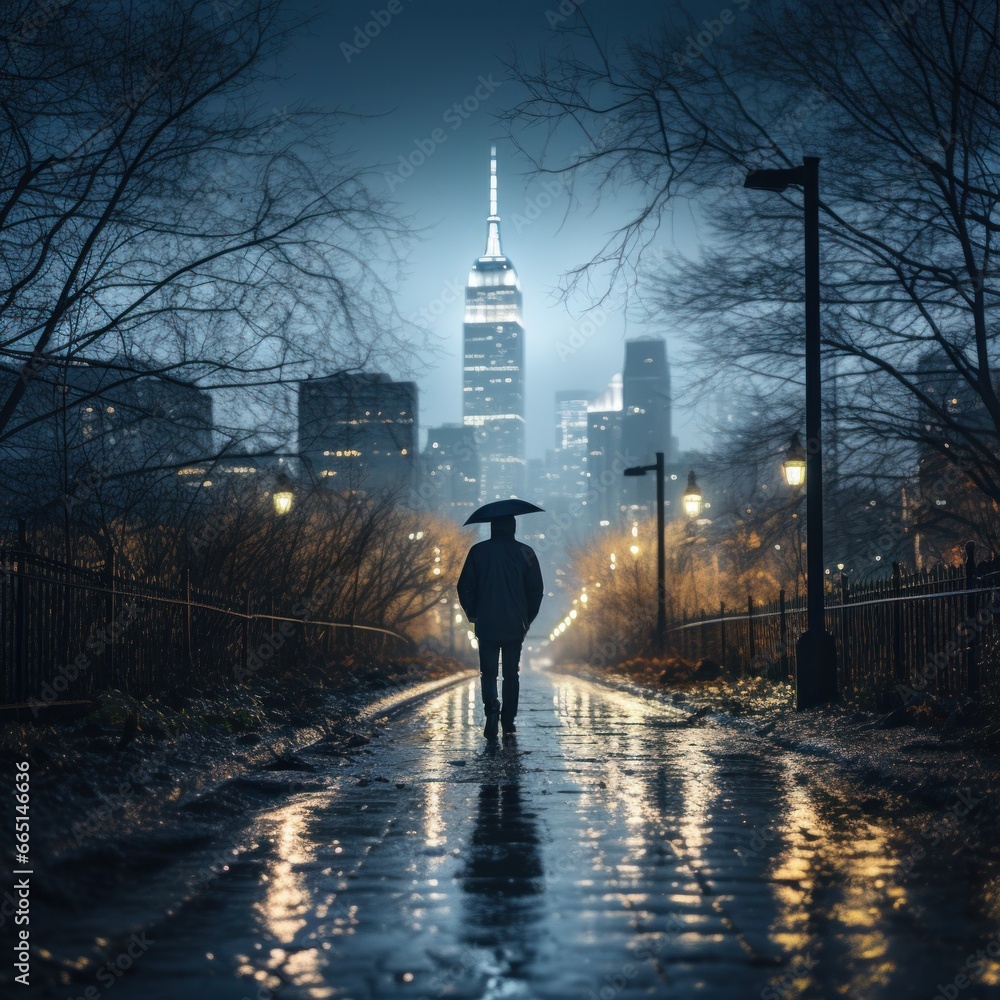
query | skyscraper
[646, 414]
[646, 398]
[604, 450]
[493, 379]
[359, 431]
[450, 471]
[113, 430]
[571, 441]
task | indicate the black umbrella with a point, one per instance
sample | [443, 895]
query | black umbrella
[502, 508]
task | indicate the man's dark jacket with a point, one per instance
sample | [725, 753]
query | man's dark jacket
[500, 586]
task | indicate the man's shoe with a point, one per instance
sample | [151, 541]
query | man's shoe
[509, 729]
[492, 718]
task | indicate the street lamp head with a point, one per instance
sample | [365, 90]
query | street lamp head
[282, 496]
[692, 497]
[635, 470]
[794, 465]
[774, 180]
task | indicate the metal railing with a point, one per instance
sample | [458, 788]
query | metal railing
[936, 632]
[68, 632]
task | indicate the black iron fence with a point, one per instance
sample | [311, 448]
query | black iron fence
[68, 632]
[934, 632]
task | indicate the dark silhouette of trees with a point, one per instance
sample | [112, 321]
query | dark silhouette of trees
[903, 107]
[336, 556]
[159, 217]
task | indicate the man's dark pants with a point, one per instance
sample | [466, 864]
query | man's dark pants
[490, 654]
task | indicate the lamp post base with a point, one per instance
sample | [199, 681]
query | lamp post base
[816, 669]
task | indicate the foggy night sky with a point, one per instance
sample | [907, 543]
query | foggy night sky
[427, 58]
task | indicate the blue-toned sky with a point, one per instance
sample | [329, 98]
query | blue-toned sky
[424, 59]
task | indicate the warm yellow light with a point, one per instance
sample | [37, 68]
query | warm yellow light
[794, 465]
[634, 549]
[282, 501]
[572, 614]
[283, 496]
[692, 497]
[795, 472]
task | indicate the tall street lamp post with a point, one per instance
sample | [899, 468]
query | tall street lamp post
[816, 654]
[661, 586]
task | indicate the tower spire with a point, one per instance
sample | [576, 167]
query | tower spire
[493, 222]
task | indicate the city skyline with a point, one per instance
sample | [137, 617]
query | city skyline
[427, 158]
[269, 383]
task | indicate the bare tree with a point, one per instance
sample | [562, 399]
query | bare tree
[904, 111]
[759, 522]
[158, 216]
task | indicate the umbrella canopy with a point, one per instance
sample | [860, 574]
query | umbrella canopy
[502, 508]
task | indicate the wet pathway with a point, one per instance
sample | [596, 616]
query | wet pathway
[608, 851]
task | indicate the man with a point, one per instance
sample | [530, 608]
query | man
[500, 588]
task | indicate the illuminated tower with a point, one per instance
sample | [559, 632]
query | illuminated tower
[493, 384]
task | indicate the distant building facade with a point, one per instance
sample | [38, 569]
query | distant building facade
[646, 400]
[570, 458]
[646, 415]
[493, 367]
[449, 473]
[83, 428]
[942, 505]
[358, 432]
[605, 460]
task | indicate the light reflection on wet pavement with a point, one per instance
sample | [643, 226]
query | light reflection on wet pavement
[606, 852]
